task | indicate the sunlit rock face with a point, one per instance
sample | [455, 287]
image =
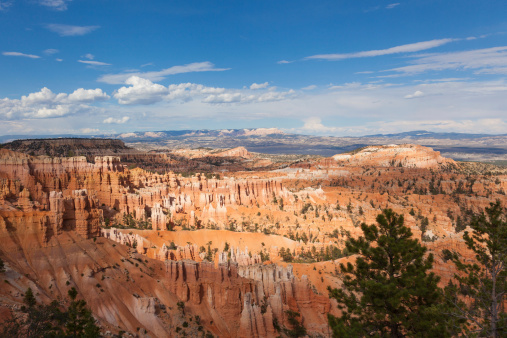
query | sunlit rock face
[216, 244]
[405, 155]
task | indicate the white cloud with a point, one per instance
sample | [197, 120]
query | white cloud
[141, 91]
[417, 93]
[89, 130]
[4, 5]
[45, 96]
[234, 96]
[59, 60]
[162, 74]
[51, 51]
[21, 54]
[259, 85]
[483, 61]
[495, 70]
[89, 56]
[46, 104]
[390, 6]
[223, 98]
[69, 30]
[59, 5]
[46, 112]
[409, 48]
[122, 120]
[282, 62]
[310, 87]
[314, 125]
[87, 95]
[94, 63]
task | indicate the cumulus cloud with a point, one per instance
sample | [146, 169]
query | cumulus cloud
[314, 125]
[122, 120]
[144, 91]
[223, 98]
[141, 91]
[59, 5]
[161, 74]
[87, 95]
[449, 104]
[69, 30]
[408, 48]
[259, 85]
[31, 56]
[45, 112]
[417, 93]
[46, 104]
[89, 130]
[94, 63]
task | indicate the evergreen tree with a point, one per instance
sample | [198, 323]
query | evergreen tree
[389, 292]
[80, 322]
[29, 298]
[481, 293]
[49, 321]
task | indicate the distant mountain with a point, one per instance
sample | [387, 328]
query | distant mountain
[150, 136]
[459, 146]
[420, 134]
[172, 134]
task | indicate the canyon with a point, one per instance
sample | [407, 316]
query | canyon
[231, 251]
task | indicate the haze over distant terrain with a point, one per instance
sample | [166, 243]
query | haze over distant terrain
[458, 146]
[321, 68]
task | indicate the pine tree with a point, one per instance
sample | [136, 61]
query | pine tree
[389, 292]
[481, 291]
[49, 321]
[80, 322]
[29, 298]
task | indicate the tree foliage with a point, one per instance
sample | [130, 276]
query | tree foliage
[51, 321]
[389, 292]
[480, 294]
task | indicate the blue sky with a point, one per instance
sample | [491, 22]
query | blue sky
[315, 67]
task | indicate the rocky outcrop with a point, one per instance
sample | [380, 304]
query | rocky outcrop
[234, 152]
[158, 218]
[405, 155]
[135, 192]
[77, 212]
[69, 147]
[247, 300]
